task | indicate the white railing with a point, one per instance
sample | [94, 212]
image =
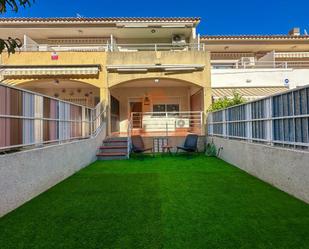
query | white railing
[115, 47]
[32, 119]
[158, 47]
[167, 123]
[64, 48]
[278, 120]
[261, 65]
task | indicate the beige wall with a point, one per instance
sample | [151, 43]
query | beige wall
[201, 78]
[106, 81]
[65, 58]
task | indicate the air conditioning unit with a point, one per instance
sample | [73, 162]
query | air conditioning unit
[247, 61]
[182, 123]
[178, 39]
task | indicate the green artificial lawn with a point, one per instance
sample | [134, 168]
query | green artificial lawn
[162, 202]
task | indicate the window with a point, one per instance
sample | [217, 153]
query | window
[172, 108]
[165, 108]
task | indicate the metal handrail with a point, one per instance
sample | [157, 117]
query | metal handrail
[129, 142]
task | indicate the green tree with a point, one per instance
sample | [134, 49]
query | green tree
[10, 44]
[226, 102]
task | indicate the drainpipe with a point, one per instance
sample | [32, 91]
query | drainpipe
[112, 43]
[198, 42]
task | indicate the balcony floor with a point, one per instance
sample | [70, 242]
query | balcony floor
[153, 133]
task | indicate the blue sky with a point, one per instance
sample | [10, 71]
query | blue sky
[218, 17]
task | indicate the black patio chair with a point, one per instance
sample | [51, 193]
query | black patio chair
[190, 144]
[138, 145]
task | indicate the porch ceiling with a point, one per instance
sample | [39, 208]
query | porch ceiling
[155, 83]
[60, 84]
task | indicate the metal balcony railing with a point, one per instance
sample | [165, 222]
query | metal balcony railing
[262, 65]
[278, 120]
[114, 47]
[31, 119]
[167, 123]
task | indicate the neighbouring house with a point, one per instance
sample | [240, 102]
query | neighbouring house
[155, 75]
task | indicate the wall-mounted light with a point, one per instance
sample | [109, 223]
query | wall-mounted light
[153, 31]
[146, 100]
[156, 81]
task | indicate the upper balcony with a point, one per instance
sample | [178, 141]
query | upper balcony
[108, 47]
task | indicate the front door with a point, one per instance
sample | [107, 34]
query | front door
[115, 114]
[136, 109]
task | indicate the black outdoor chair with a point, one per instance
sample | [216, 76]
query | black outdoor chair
[190, 144]
[138, 145]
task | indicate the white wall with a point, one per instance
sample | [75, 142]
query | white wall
[283, 168]
[259, 77]
[26, 174]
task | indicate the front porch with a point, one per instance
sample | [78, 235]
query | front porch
[156, 107]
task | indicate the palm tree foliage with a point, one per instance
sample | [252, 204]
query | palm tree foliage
[10, 44]
[13, 4]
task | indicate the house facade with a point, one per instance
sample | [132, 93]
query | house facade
[153, 74]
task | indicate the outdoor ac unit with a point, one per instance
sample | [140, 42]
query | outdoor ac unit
[179, 39]
[182, 123]
[248, 61]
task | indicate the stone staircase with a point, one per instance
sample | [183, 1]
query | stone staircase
[113, 148]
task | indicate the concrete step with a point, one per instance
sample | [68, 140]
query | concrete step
[113, 148]
[112, 156]
[116, 139]
[108, 148]
[115, 143]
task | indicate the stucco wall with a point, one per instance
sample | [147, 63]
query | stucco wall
[283, 168]
[106, 80]
[64, 58]
[26, 174]
[200, 78]
[259, 77]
